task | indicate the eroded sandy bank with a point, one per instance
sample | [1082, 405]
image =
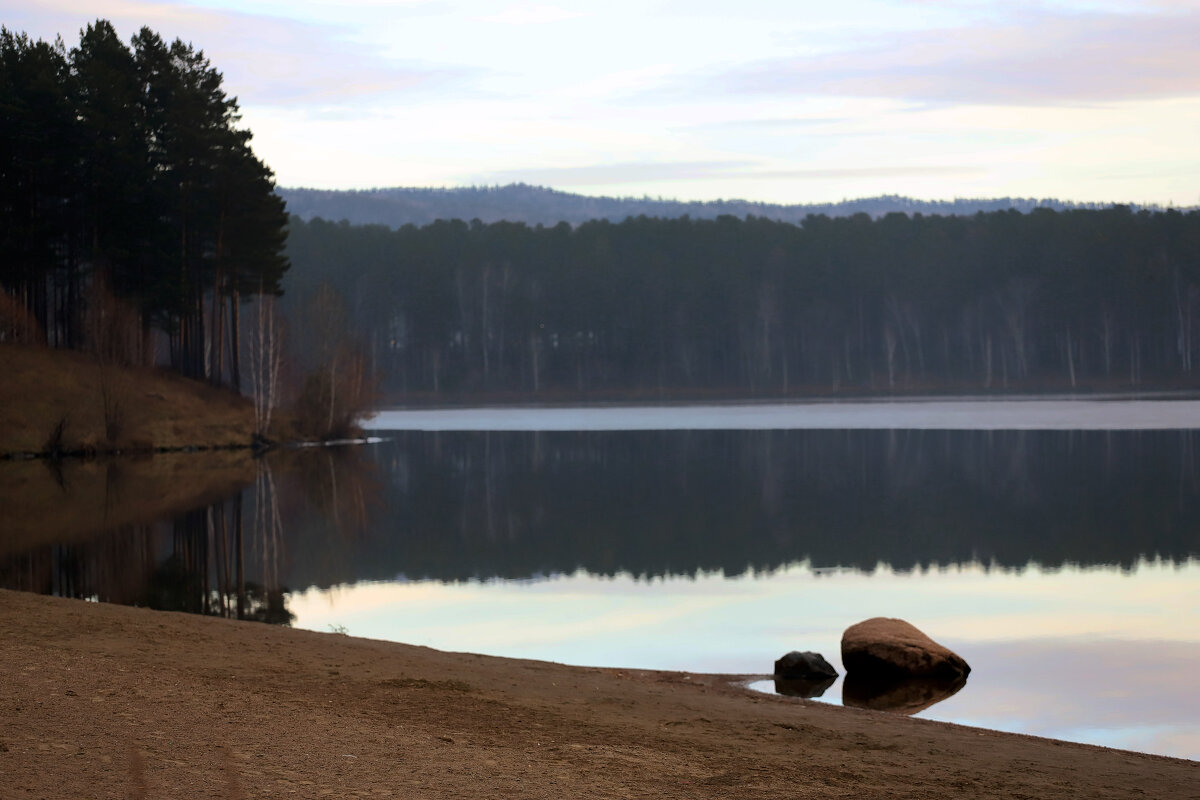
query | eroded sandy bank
[113, 702]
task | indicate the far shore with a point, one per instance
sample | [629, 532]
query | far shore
[113, 702]
[1116, 390]
[426, 404]
[1099, 413]
[56, 403]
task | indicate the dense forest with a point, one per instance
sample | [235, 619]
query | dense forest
[1076, 299]
[130, 200]
[535, 205]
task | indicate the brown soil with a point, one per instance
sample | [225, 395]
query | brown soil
[114, 702]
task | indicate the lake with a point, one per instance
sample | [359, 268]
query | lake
[1055, 544]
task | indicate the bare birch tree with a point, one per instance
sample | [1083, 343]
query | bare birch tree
[265, 355]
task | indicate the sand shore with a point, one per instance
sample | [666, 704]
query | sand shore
[106, 701]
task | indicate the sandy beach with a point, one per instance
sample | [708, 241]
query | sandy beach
[113, 702]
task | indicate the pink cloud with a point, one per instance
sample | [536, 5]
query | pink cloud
[266, 60]
[1037, 59]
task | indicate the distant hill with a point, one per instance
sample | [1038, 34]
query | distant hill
[519, 202]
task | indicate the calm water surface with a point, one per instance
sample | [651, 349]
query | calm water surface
[1059, 554]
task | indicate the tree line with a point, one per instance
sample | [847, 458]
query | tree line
[518, 202]
[1100, 298]
[130, 200]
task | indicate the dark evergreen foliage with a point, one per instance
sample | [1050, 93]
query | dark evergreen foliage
[1076, 299]
[124, 169]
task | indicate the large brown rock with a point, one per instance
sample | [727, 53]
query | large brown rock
[884, 648]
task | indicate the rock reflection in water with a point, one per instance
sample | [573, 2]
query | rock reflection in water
[803, 687]
[899, 696]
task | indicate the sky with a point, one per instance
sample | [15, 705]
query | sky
[790, 101]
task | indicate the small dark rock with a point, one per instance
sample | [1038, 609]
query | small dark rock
[805, 665]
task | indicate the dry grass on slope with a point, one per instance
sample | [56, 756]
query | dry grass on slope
[104, 407]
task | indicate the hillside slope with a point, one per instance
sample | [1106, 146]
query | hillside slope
[146, 408]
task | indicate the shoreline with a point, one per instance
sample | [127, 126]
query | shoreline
[67, 405]
[1107, 413]
[105, 700]
[469, 404]
[716, 397]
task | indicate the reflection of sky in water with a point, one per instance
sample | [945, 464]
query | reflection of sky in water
[1094, 655]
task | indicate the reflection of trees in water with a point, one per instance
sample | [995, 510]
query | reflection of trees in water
[112, 567]
[268, 532]
[206, 571]
[335, 487]
[452, 506]
[463, 505]
[195, 562]
[228, 558]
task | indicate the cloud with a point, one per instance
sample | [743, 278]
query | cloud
[630, 172]
[776, 123]
[532, 14]
[267, 60]
[642, 172]
[870, 172]
[1032, 58]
